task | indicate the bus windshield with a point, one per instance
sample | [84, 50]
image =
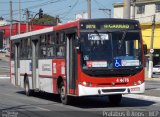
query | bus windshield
[111, 50]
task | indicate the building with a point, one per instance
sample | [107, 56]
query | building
[6, 31]
[3, 22]
[1, 39]
[144, 11]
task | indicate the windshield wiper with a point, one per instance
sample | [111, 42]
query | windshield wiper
[122, 39]
[95, 31]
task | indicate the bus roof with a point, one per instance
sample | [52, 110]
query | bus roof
[37, 32]
[110, 20]
[72, 24]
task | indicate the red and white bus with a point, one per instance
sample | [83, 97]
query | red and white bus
[95, 57]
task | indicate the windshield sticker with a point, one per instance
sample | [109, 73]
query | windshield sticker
[96, 63]
[96, 37]
[130, 63]
[117, 63]
[86, 57]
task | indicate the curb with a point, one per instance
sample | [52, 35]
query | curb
[148, 79]
[143, 97]
[4, 77]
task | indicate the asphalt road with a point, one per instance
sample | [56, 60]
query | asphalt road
[153, 88]
[14, 102]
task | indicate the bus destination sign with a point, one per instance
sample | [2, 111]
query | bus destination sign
[90, 26]
[116, 26]
[109, 26]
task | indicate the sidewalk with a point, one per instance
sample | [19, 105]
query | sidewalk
[150, 79]
[3, 56]
[4, 66]
[152, 91]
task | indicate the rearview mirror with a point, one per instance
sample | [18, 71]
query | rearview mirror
[77, 43]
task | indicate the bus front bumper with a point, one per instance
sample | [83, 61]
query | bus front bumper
[89, 91]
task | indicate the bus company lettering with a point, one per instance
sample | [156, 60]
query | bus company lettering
[46, 67]
[122, 80]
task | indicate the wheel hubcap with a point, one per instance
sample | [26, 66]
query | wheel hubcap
[27, 88]
[62, 92]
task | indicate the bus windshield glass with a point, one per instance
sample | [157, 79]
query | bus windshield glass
[111, 50]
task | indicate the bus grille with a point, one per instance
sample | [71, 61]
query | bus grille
[113, 90]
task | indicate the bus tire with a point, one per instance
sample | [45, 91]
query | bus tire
[115, 99]
[28, 91]
[65, 99]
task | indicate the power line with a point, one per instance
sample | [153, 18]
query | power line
[68, 12]
[21, 1]
[45, 3]
[103, 8]
[36, 6]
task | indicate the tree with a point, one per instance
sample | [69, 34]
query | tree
[1, 18]
[45, 20]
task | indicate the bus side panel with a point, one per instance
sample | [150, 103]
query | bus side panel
[25, 67]
[58, 71]
[45, 75]
[12, 73]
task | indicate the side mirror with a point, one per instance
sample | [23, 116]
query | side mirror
[77, 43]
[145, 49]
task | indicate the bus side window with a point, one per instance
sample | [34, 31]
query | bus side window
[12, 51]
[50, 46]
[60, 44]
[28, 48]
[43, 47]
[61, 51]
[23, 50]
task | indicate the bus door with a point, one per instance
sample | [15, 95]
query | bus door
[35, 82]
[71, 64]
[17, 64]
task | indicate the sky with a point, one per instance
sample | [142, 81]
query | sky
[65, 9]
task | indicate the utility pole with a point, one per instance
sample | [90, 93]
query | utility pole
[89, 9]
[126, 15]
[151, 48]
[126, 10]
[27, 19]
[11, 18]
[108, 11]
[57, 19]
[134, 8]
[19, 17]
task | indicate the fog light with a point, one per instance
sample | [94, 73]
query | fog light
[89, 84]
[135, 83]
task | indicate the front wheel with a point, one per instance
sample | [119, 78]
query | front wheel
[65, 99]
[115, 99]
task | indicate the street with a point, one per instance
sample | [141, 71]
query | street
[14, 101]
[91, 58]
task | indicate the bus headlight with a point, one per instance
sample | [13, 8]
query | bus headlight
[139, 82]
[84, 83]
[87, 84]
[135, 83]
